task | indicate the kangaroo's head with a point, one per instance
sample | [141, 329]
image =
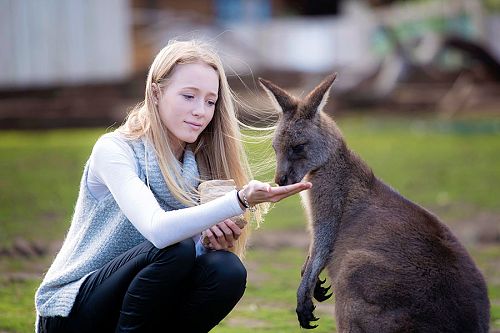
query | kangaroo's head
[305, 137]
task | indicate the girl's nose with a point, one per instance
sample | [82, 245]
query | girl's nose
[199, 109]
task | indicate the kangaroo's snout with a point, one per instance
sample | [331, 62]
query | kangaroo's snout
[281, 180]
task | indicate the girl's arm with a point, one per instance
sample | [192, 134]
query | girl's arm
[113, 165]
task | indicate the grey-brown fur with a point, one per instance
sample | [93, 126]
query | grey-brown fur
[394, 266]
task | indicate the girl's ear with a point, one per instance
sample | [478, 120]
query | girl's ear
[156, 92]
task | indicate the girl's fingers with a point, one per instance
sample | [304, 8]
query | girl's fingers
[209, 234]
[290, 193]
[219, 236]
[277, 193]
[234, 228]
[295, 188]
[214, 244]
[228, 233]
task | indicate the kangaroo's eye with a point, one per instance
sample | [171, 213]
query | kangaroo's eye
[298, 148]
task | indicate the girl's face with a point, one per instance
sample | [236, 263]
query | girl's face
[187, 103]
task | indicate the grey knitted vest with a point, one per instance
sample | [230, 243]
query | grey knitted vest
[99, 231]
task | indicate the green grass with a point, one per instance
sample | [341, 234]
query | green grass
[40, 172]
[450, 167]
[432, 162]
[16, 305]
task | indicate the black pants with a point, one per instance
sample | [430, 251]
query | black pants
[151, 290]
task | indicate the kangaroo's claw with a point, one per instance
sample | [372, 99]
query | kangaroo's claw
[305, 315]
[309, 326]
[320, 293]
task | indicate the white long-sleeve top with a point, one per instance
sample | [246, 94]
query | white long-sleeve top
[112, 169]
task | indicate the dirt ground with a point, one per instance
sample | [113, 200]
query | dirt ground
[483, 229]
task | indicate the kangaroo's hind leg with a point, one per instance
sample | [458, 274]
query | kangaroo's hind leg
[367, 299]
[355, 315]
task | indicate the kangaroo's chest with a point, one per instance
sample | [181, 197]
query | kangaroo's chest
[321, 207]
[305, 197]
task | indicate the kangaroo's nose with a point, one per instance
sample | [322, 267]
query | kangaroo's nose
[282, 180]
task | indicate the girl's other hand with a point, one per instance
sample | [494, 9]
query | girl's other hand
[222, 235]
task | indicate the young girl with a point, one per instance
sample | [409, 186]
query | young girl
[132, 260]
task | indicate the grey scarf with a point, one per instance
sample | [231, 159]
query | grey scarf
[151, 173]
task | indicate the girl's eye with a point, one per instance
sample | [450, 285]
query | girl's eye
[211, 103]
[188, 97]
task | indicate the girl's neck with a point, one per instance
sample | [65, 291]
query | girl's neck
[178, 151]
[177, 147]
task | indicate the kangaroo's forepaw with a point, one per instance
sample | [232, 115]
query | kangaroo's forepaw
[305, 315]
[320, 292]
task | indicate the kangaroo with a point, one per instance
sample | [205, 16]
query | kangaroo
[393, 265]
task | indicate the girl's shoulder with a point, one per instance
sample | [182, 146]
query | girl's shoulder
[113, 136]
[113, 143]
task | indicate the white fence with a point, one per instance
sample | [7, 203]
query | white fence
[45, 42]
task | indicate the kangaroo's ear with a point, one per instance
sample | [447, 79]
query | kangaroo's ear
[281, 100]
[316, 100]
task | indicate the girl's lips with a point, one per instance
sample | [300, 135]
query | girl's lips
[193, 125]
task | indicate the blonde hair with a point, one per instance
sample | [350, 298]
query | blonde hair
[219, 150]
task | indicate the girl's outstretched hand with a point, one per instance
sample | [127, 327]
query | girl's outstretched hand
[257, 192]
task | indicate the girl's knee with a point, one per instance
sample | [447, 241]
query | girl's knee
[227, 268]
[234, 268]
